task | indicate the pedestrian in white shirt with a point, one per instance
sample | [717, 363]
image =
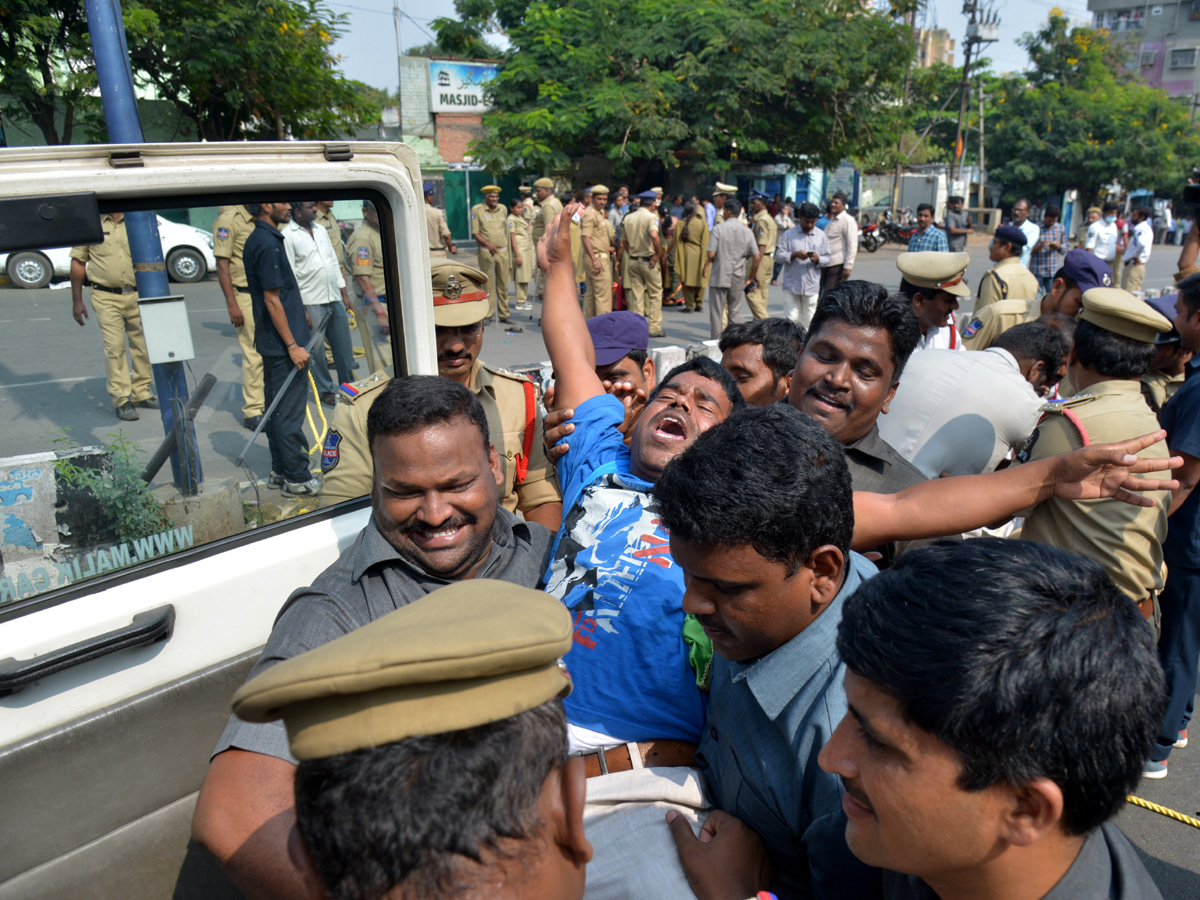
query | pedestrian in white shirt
[1029, 228]
[783, 221]
[323, 290]
[1137, 254]
[803, 250]
[1102, 234]
[842, 232]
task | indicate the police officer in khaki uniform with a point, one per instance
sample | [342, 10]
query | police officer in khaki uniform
[1008, 279]
[549, 206]
[597, 253]
[765, 232]
[109, 266]
[487, 227]
[1115, 336]
[643, 277]
[364, 259]
[521, 251]
[459, 308]
[528, 207]
[233, 225]
[440, 239]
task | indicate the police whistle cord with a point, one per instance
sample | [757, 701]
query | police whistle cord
[1170, 813]
[320, 436]
[168, 445]
[318, 336]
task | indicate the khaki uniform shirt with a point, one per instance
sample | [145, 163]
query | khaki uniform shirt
[550, 208]
[233, 225]
[765, 231]
[364, 256]
[1007, 280]
[596, 228]
[636, 230]
[334, 230]
[435, 225]
[691, 254]
[523, 231]
[489, 224]
[987, 324]
[109, 264]
[1159, 387]
[346, 460]
[1126, 540]
[528, 210]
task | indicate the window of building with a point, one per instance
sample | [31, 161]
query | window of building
[1149, 58]
[1194, 12]
[1183, 58]
[1156, 10]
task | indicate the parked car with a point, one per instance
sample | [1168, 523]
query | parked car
[187, 250]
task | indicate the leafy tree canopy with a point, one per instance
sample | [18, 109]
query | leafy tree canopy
[652, 83]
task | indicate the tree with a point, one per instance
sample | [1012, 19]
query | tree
[651, 83]
[1080, 121]
[49, 76]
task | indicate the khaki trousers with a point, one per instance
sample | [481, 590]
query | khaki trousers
[118, 318]
[252, 366]
[644, 280]
[438, 254]
[724, 308]
[377, 347]
[757, 298]
[1132, 276]
[497, 267]
[693, 297]
[599, 289]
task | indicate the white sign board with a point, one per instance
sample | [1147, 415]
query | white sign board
[458, 87]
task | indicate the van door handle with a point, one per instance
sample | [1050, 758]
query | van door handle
[146, 628]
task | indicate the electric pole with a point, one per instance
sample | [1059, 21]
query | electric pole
[983, 27]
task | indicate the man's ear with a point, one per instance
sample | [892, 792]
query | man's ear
[887, 401]
[1037, 368]
[302, 860]
[494, 463]
[650, 373]
[828, 564]
[1034, 811]
[784, 386]
[565, 794]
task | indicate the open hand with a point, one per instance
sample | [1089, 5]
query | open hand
[1110, 470]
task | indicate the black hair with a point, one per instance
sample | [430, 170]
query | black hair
[925, 206]
[909, 290]
[1064, 326]
[1146, 211]
[1189, 290]
[709, 369]
[418, 811]
[808, 210]
[734, 206]
[1052, 211]
[419, 401]
[841, 195]
[1034, 341]
[689, 210]
[255, 209]
[781, 341]
[514, 201]
[638, 356]
[1111, 355]
[767, 477]
[1109, 205]
[866, 304]
[1025, 659]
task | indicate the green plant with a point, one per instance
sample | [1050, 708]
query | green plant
[107, 498]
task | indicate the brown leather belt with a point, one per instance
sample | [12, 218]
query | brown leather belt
[112, 290]
[652, 753]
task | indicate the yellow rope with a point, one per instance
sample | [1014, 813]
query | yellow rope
[1187, 820]
[308, 414]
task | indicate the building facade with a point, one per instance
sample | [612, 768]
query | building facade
[1163, 39]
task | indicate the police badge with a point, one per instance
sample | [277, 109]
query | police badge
[452, 289]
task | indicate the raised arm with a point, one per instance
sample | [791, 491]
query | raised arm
[945, 506]
[563, 327]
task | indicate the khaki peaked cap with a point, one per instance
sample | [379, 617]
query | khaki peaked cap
[1122, 313]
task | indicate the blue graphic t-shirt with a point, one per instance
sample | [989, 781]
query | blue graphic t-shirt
[612, 567]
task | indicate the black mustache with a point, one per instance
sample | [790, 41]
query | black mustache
[425, 528]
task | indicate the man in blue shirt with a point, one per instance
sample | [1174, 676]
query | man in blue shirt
[927, 236]
[280, 333]
[1179, 642]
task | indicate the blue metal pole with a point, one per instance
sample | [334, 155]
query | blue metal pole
[107, 31]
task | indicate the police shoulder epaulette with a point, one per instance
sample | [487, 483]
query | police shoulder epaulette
[350, 391]
[1058, 406]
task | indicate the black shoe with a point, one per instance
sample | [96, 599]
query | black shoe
[126, 412]
[251, 422]
[329, 398]
[511, 328]
[148, 403]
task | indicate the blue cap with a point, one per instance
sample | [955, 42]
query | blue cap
[1165, 306]
[614, 334]
[759, 195]
[429, 187]
[1087, 270]
[648, 195]
[1011, 234]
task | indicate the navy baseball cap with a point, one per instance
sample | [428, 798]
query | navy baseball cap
[648, 195]
[1165, 306]
[1011, 234]
[429, 187]
[614, 334]
[1087, 270]
[759, 195]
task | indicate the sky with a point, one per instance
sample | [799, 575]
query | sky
[368, 47]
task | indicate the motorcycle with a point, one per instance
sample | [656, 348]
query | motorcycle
[896, 232]
[869, 238]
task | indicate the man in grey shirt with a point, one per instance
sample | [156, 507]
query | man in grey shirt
[436, 519]
[958, 224]
[729, 246]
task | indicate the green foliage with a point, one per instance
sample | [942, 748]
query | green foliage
[48, 74]
[1081, 121]
[651, 83]
[119, 505]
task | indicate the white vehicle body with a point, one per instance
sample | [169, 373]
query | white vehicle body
[101, 761]
[187, 251]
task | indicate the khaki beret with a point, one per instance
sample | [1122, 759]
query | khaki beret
[937, 270]
[657, 191]
[525, 189]
[544, 183]
[1122, 313]
[1095, 209]
[472, 653]
[490, 189]
[459, 294]
[723, 188]
[599, 189]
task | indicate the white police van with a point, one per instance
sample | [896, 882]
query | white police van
[119, 652]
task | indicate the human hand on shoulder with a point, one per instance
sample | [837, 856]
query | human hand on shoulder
[726, 862]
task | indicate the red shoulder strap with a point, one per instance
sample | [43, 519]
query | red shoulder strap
[1075, 420]
[530, 420]
[953, 332]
